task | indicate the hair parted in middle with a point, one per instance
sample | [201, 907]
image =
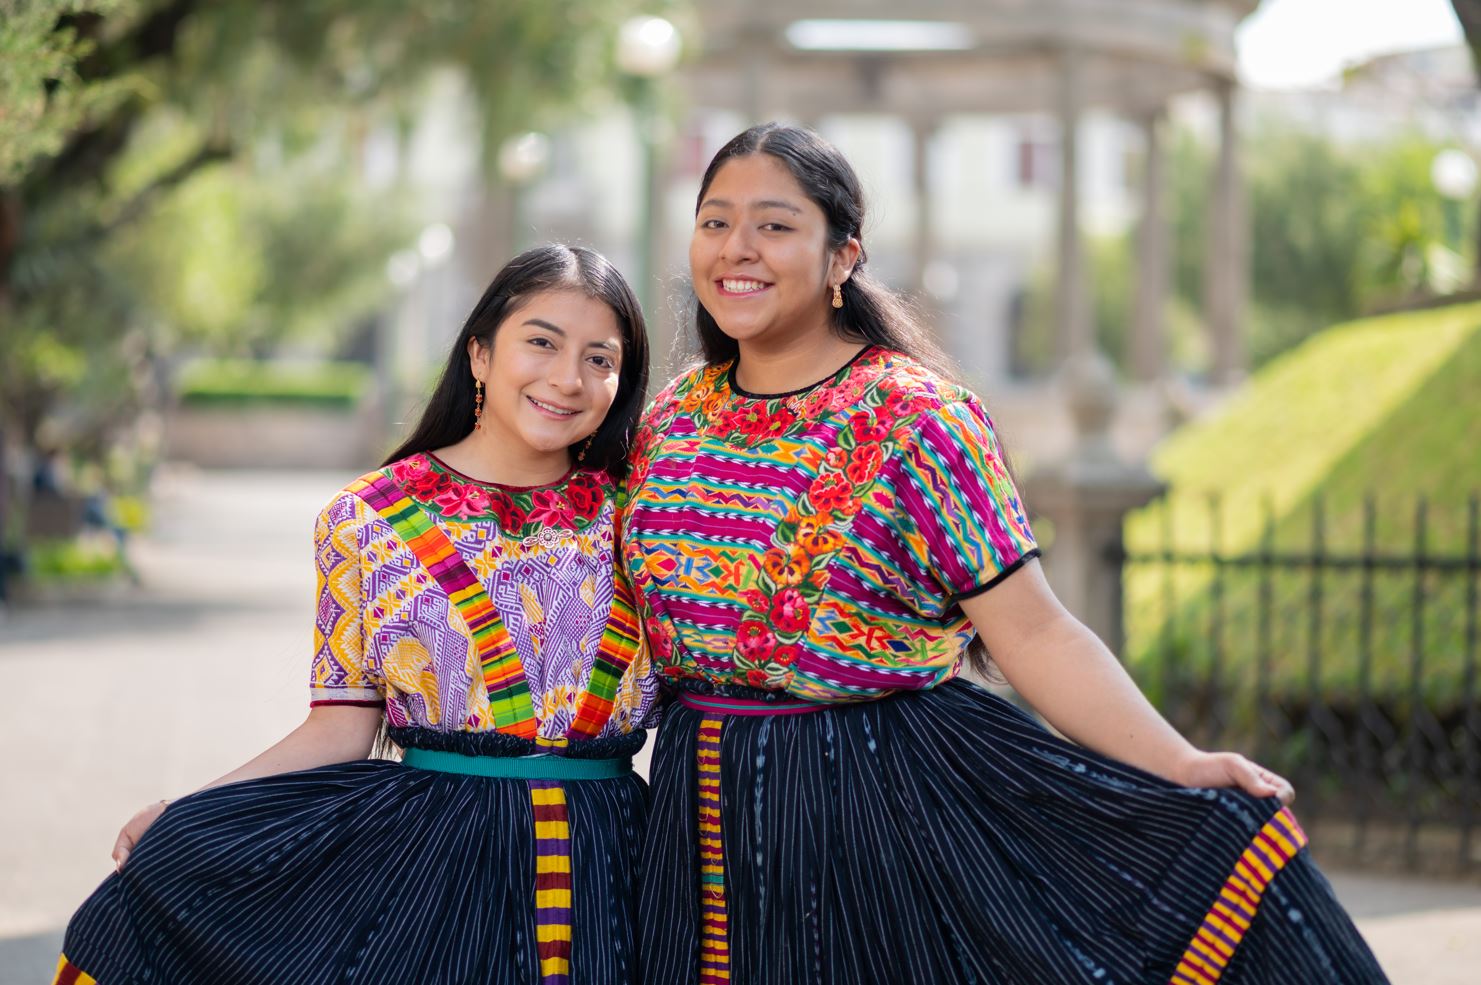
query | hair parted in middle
[871, 312]
[448, 416]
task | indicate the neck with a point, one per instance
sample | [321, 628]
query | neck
[487, 457]
[795, 363]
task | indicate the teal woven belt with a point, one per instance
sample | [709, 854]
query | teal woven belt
[538, 767]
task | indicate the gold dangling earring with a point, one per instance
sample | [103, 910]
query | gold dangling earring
[837, 295]
[581, 455]
[477, 405]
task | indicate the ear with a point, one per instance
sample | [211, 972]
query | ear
[479, 356]
[841, 263]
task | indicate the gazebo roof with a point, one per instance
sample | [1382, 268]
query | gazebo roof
[996, 56]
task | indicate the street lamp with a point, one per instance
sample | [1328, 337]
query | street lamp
[647, 49]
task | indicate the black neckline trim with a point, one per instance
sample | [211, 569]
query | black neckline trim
[736, 388]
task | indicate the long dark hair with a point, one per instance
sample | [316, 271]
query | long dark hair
[448, 416]
[871, 312]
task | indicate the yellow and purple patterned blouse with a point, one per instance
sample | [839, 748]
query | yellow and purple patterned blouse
[818, 542]
[537, 622]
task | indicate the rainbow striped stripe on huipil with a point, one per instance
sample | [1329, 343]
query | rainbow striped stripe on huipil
[503, 674]
[1229, 918]
[512, 707]
[714, 939]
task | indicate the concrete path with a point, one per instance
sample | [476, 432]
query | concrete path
[114, 704]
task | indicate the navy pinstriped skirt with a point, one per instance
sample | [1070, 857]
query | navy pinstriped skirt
[944, 836]
[368, 871]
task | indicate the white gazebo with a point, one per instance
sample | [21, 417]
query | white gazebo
[806, 59]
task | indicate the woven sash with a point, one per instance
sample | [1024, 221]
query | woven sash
[503, 674]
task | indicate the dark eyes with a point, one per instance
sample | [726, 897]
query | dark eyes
[771, 227]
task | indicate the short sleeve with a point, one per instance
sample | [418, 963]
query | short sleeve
[340, 672]
[962, 521]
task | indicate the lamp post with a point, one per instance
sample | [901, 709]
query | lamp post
[648, 49]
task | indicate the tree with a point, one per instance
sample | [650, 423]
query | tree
[114, 112]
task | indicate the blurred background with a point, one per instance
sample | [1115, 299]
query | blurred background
[1212, 265]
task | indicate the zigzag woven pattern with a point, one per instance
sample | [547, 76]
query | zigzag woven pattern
[1229, 918]
[620, 641]
[503, 675]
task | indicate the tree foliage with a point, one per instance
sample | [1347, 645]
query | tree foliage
[183, 172]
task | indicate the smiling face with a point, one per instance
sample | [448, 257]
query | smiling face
[759, 255]
[550, 375]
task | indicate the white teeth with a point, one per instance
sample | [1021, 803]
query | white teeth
[554, 410]
[742, 286]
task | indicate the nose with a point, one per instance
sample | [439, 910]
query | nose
[739, 245]
[565, 373]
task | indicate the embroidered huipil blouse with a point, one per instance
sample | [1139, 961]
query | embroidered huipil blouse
[392, 628]
[818, 542]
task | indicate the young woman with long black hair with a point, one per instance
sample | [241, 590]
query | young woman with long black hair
[467, 602]
[821, 527]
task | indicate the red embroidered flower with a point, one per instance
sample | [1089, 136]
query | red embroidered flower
[787, 654]
[658, 639]
[410, 470]
[585, 495]
[867, 427]
[900, 403]
[865, 463]
[757, 677]
[829, 492]
[756, 599]
[755, 641]
[462, 499]
[551, 508]
[789, 611]
[836, 458]
[511, 517]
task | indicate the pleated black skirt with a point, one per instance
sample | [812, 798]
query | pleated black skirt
[370, 872]
[944, 836]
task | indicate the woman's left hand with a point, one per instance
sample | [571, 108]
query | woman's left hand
[1230, 769]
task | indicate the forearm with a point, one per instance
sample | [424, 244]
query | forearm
[1076, 683]
[329, 735]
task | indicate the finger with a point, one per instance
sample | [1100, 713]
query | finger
[1255, 779]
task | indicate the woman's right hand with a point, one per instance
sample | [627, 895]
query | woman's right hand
[134, 830]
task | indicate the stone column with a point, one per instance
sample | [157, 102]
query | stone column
[1226, 263]
[1073, 315]
[1148, 341]
[922, 129]
[1086, 497]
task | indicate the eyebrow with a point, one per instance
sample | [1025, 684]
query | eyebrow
[769, 203]
[542, 323]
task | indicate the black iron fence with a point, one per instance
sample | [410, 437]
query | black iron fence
[1338, 643]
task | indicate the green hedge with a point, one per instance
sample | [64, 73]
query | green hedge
[232, 382]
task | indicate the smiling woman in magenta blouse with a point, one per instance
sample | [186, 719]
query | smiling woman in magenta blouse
[822, 531]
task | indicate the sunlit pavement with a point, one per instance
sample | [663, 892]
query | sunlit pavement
[155, 691]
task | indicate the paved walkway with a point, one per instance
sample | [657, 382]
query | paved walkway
[114, 704]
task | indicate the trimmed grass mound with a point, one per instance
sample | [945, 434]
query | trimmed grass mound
[1384, 408]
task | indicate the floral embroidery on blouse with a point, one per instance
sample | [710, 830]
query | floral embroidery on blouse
[520, 512]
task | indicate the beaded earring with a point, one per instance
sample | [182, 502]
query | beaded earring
[477, 405]
[838, 295]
